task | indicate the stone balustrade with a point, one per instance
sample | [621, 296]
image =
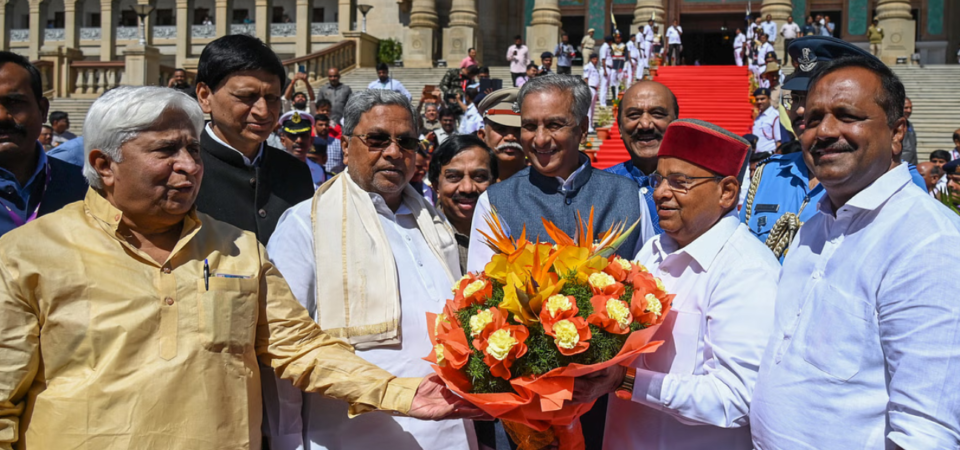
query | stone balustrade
[342, 56]
[92, 78]
[46, 76]
[170, 32]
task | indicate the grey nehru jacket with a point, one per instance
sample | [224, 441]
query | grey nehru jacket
[528, 196]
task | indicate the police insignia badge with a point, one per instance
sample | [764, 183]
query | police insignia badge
[808, 60]
[295, 118]
[515, 107]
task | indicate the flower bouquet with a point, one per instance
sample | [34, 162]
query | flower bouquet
[515, 337]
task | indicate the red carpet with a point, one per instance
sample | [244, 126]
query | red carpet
[716, 94]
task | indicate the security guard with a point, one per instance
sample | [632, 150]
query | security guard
[767, 125]
[782, 194]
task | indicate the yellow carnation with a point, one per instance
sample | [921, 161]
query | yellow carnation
[441, 318]
[479, 321]
[566, 334]
[642, 267]
[600, 280]
[500, 343]
[472, 288]
[558, 303]
[653, 304]
[618, 311]
[660, 284]
[624, 264]
[457, 284]
[440, 360]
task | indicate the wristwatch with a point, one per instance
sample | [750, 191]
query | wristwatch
[625, 390]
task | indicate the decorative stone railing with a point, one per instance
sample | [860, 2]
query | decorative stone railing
[170, 31]
[93, 78]
[342, 56]
[46, 76]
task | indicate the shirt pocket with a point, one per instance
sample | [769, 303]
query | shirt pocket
[837, 331]
[680, 332]
[228, 313]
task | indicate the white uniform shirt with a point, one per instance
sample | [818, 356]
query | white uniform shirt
[471, 121]
[694, 392]
[648, 33]
[390, 85]
[673, 34]
[767, 130]
[738, 42]
[423, 288]
[866, 343]
[790, 30]
[606, 56]
[752, 31]
[770, 29]
[591, 75]
[762, 53]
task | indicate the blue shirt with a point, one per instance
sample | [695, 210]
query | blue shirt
[21, 201]
[784, 186]
[70, 151]
[627, 169]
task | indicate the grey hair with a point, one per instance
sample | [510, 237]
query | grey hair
[123, 113]
[361, 102]
[560, 83]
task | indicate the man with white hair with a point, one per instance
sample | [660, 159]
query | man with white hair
[559, 183]
[157, 346]
[395, 258]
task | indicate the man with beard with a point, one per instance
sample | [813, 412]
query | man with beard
[865, 342]
[448, 125]
[559, 183]
[395, 259]
[31, 184]
[501, 131]
[248, 184]
[783, 193]
[179, 82]
[299, 101]
[646, 110]
[297, 137]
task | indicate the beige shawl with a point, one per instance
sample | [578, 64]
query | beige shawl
[358, 296]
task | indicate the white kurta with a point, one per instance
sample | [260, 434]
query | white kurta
[694, 391]
[423, 288]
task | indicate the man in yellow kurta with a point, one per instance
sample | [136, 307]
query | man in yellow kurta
[129, 320]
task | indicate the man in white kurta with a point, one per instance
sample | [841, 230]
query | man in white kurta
[422, 269]
[694, 392]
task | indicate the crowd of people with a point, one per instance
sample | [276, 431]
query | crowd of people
[262, 279]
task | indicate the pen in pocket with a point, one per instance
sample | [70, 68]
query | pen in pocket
[225, 275]
[206, 274]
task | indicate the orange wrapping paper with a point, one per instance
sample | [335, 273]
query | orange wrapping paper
[539, 401]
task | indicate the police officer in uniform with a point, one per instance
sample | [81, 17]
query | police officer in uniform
[783, 195]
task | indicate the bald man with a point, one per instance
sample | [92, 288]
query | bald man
[931, 174]
[645, 112]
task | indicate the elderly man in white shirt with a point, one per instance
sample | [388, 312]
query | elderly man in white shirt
[368, 258]
[866, 346]
[694, 392]
[770, 28]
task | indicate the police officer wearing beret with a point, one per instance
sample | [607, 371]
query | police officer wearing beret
[783, 194]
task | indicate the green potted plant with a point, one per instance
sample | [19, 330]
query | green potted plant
[390, 51]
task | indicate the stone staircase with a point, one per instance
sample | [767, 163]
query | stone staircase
[75, 108]
[935, 92]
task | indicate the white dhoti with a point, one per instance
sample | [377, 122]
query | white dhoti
[593, 107]
[626, 76]
[604, 86]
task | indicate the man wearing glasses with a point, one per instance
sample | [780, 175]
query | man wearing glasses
[559, 183]
[367, 257]
[694, 393]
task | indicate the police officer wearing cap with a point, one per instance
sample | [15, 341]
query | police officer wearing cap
[296, 133]
[592, 77]
[767, 125]
[501, 131]
[782, 194]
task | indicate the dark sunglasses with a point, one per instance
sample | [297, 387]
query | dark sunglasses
[380, 141]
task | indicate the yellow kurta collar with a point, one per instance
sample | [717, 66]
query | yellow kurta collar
[109, 217]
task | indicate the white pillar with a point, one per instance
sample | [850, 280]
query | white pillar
[899, 30]
[184, 31]
[778, 10]
[420, 39]
[263, 17]
[6, 23]
[543, 34]
[73, 13]
[38, 23]
[223, 16]
[644, 11]
[108, 29]
[462, 34]
[304, 34]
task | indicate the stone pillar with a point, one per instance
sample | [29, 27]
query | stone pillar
[222, 16]
[6, 23]
[108, 29]
[462, 34]
[73, 15]
[184, 31]
[420, 43]
[61, 56]
[543, 34]
[779, 10]
[38, 25]
[142, 66]
[262, 18]
[148, 22]
[899, 30]
[347, 10]
[644, 11]
[304, 34]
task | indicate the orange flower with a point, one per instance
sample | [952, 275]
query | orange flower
[449, 342]
[472, 289]
[571, 335]
[611, 314]
[603, 283]
[558, 307]
[619, 268]
[501, 344]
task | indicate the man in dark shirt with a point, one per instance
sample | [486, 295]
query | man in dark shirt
[247, 183]
[336, 93]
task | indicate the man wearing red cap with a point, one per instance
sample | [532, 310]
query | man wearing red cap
[694, 392]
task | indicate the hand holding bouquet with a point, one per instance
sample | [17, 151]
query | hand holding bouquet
[515, 337]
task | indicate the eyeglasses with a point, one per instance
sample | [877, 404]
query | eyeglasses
[380, 141]
[788, 100]
[678, 182]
